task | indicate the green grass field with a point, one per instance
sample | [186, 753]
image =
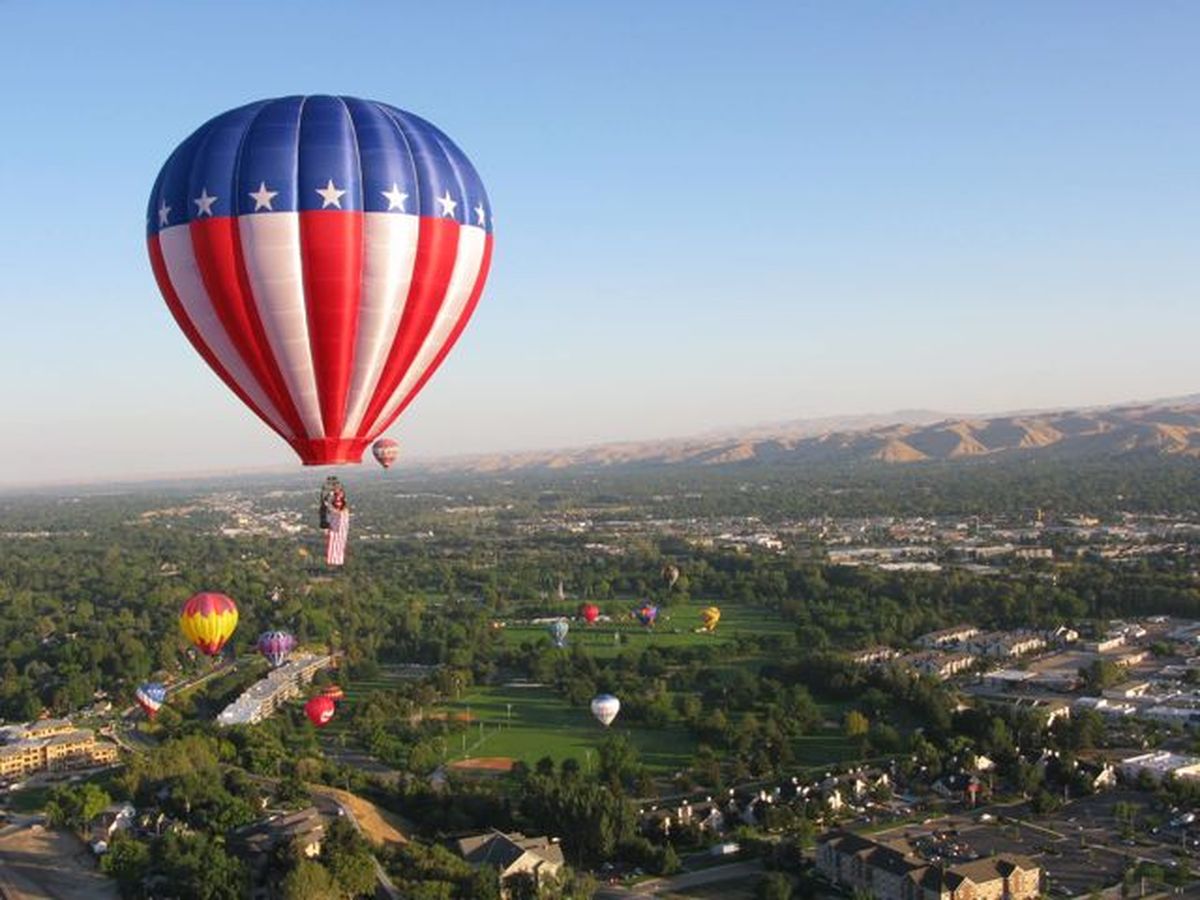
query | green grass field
[544, 724]
[676, 627]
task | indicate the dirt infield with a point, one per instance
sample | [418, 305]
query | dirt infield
[379, 825]
[485, 764]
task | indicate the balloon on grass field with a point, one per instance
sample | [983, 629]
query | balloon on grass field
[605, 708]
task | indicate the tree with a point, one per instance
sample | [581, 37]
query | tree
[346, 854]
[774, 886]
[309, 880]
[856, 725]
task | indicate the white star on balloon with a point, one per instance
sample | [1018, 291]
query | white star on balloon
[330, 196]
[164, 213]
[480, 215]
[395, 197]
[447, 204]
[262, 197]
[204, 203]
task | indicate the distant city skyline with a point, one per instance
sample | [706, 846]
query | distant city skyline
[705, 217]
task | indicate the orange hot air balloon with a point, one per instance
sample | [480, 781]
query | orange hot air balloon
[320, 710]
[590, 612]
[334, 693]
[208, 620]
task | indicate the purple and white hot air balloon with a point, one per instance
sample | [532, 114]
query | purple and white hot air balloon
[275, 646]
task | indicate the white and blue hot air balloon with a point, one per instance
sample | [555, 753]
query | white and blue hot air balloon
[605, 708]
[558, 631]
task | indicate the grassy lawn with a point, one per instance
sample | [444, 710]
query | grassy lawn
[676, 627]
[544, 724]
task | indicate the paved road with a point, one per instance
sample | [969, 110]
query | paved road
[658, 886]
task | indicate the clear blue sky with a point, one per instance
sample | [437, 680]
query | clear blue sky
[706, 214]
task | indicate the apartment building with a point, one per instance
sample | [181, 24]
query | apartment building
[51, 746]
[893, 871]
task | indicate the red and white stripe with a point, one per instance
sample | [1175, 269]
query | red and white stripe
[337, 536]
[326, 323]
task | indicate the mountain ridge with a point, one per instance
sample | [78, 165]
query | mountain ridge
[1166, 428]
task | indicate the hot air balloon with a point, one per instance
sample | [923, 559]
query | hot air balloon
[150, 697]
[670, 574]
[320, 710]
[709, 617]
[558, 631]
[386, 451]
[590, 612]
[275, 646]
[605, 708]
[323, 255]
[646, 614]
[208, 619]
[334, 693]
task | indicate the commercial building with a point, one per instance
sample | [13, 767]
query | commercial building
[52, 745]
[1159, 764]
[894, 871]
[265, 696]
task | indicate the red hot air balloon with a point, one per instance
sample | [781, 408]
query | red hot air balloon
[323, 255]
[590, 612]
[386, 451]
[320, 710]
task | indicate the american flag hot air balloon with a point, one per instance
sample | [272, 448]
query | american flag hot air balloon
[322, 254]
[208, 620]
[150, 697]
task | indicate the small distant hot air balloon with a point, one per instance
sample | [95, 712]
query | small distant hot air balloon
[386, 451]
[590, 612]
[646, 614]
[275, 646]
[558, 631]
[709, 617]
[605, 708]
[670, 574]
[208, 620]
[320, 710]
[334, 693]
[150, 697]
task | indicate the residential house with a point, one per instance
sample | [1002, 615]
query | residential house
[514, 855]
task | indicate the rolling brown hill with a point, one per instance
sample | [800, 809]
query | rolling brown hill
[1168, 428]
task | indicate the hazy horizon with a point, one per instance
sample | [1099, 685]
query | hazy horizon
[704, 220]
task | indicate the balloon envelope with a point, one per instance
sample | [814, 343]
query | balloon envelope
[558, 631]
[709, 617]
[670, 574]
[386, 451]
[334, 693]
[150, 697]
[322, 255]
[208, 620]
[275, 646]
[590, 612]
[320, 710]
[646, 614]
[605, 708]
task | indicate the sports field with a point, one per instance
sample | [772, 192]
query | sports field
[677, 626]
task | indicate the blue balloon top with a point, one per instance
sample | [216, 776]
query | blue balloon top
[295, 154]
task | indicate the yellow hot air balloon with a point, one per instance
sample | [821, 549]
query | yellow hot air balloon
[709, 617]
[208, 620]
